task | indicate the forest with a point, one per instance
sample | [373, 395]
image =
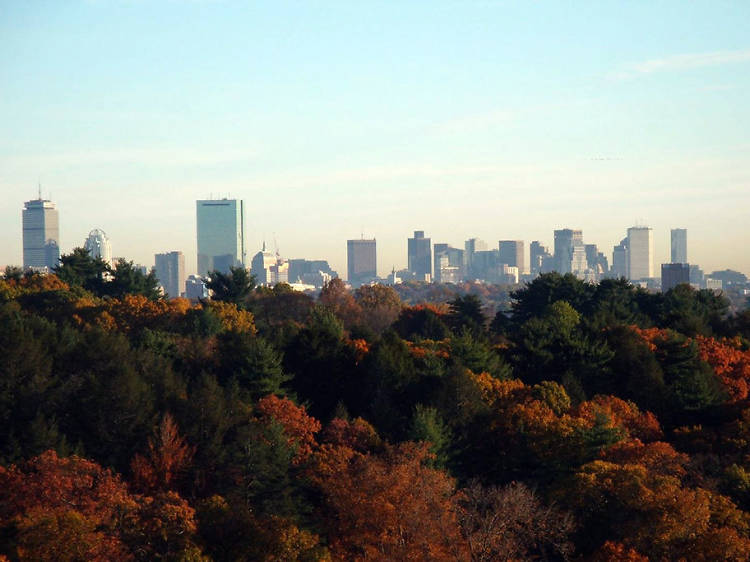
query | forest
[583, 422]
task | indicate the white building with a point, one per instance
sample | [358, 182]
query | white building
[98, 246]
[640, 253]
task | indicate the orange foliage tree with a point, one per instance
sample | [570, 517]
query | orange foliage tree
[730, 363]
[167, 458]
[388, 506]
[299, 428]
[73, 509]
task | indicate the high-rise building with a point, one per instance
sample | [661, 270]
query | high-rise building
[170, 271]
[570, 254]
[449, 264]
[640, 253]
[420, 256]
[260, 265]
[540, 258]
[512, 254]
[598, 266]
[41, 234]
[361, 261]
[679, 245]
[471, 247]
[98, 246]
[697, 279]
[620, 260]
[221, 234]
[673, 274]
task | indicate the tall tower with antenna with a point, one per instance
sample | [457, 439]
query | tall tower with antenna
[41, 233]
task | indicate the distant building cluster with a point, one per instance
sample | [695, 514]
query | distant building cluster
[221, 245]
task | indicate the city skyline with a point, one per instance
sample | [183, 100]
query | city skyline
[221, 222]
[347, 119]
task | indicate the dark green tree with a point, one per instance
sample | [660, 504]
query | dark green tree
[475, 353]
[322, 365]
[427, 425]
[532, 301]
[252, 362]
[233, 287]
[126, 279]
[466, 313]
[78, 268]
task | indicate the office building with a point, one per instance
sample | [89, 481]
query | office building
[260, 266]
[195, 288]
[673, 274]
[278, 272]
[640, 253]
[98, 246]
[471, 247]
[679, 245]
[620, 260]
[170, 271]
[310, 272]
[361, 261]
[570, 254]
[420, 256]
[221, 234]
[449, 264]
[540, 260]
[487, 266]
[697, 278]
[41, 234]
[598, 266]
[511, 252]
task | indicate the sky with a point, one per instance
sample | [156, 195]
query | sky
[335, 120]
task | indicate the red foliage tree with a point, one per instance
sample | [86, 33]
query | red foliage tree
[299, 427]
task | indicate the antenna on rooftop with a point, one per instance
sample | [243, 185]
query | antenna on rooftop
[39, 183]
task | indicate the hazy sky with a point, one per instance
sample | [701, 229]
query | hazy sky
[500, 120]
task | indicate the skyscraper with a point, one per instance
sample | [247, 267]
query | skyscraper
[620, 260]
[97, 244]
[679, 245]
[41, 234]
[640, 253]
[170, 270]
[361, 261]
[419, 250]
[221, 234]
[570, 254]
[512, 254]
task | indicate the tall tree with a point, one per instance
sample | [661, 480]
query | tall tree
[78, 268]
[233, 287]
[126, 279]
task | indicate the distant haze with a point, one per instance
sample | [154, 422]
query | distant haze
[487, 119]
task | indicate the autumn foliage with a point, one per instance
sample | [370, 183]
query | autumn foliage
[584, 422]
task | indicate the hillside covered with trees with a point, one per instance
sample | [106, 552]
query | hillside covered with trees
[588, 422]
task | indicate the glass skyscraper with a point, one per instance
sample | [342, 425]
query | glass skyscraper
[221, 234]
[41, 234]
